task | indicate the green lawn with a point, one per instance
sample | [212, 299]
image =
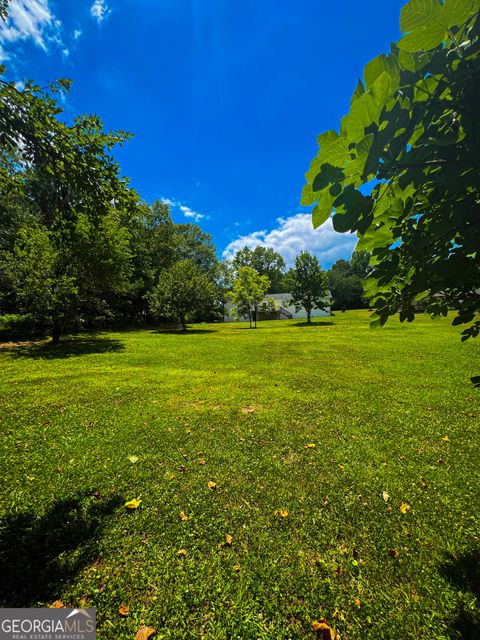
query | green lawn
[377, 405]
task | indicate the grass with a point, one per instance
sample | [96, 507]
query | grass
[377, 405]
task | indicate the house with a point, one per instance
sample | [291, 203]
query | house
[284, 309]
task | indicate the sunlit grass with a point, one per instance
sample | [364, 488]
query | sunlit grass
[377, 405]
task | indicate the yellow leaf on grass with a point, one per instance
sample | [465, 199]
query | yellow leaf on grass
[123, 610]
[358, 602]
[144, 633]
[341, 466]
[183, 516]
[229, 539]
[133, 459]
[323, 628]
[280, 512]
[181, 552]
[211, 485]
[133, 504]
[446, 439]
[405, 507]
[311, 445]
[202, 461]
[386, 496]
[236, 567]
[58, 604]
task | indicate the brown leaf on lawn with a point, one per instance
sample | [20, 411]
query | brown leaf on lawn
[58, 604]
[202, 461]
[124, 610]
[358, 602]
[144, 633]
[393, 553]
[228, 540]
[324, 630]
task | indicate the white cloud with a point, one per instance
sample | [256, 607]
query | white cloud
[100, 11]
[76, 34]
[295, 234]
[189, 213]
[30, 19]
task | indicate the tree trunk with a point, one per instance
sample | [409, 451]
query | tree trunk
[309, 316]
[56, 331]
[256, 316]
[182, 322]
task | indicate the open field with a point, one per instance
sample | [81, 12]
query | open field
[238, 408]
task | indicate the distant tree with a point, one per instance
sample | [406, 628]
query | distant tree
[266, 261]
[153, 247]
[183, 291]
[413, 130]
[191, 243]
[345, 281]
[249, 289]
[307, 284]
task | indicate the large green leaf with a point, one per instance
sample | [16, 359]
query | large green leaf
[423, 39]
[456, 12]
[418, 14]
[366, 110]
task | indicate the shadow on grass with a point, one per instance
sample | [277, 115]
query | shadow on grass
[464, 573]
[39, 556]
[186, 332]
[69, 348]
[326, 323]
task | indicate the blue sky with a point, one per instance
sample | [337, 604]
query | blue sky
[225, 99]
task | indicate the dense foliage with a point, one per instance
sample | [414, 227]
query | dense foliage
[307, 284]
[266, 261]
[346, 279]
[414, 129]
[248, 292]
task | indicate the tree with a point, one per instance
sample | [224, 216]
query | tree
[266, 261]
[153, 247]
[194, 244]
[70, 245]
[345, 281]
[182, 292]
[249, 289]
[307, 284]
[414, 128]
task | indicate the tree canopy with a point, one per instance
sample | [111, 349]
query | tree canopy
[266, 261]
[182, 292]
[413, 130]
[307, 284]
[248, 292]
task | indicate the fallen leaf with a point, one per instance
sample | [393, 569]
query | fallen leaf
[211, 485]
[202, 461]
[181, 552]
[386, 496]
[123, 610]
[236, 567]
[323, 628]
[311, 446]
[404, 507]
[393, 553]
[228, 539]
[183, 516]
[341, 466]
[446, 439]
[280, 512]
[133, 504]
[133, 459]
[58, 604]
[144, 633]
[358, 603]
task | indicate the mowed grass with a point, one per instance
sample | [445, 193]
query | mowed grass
[246, 403]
